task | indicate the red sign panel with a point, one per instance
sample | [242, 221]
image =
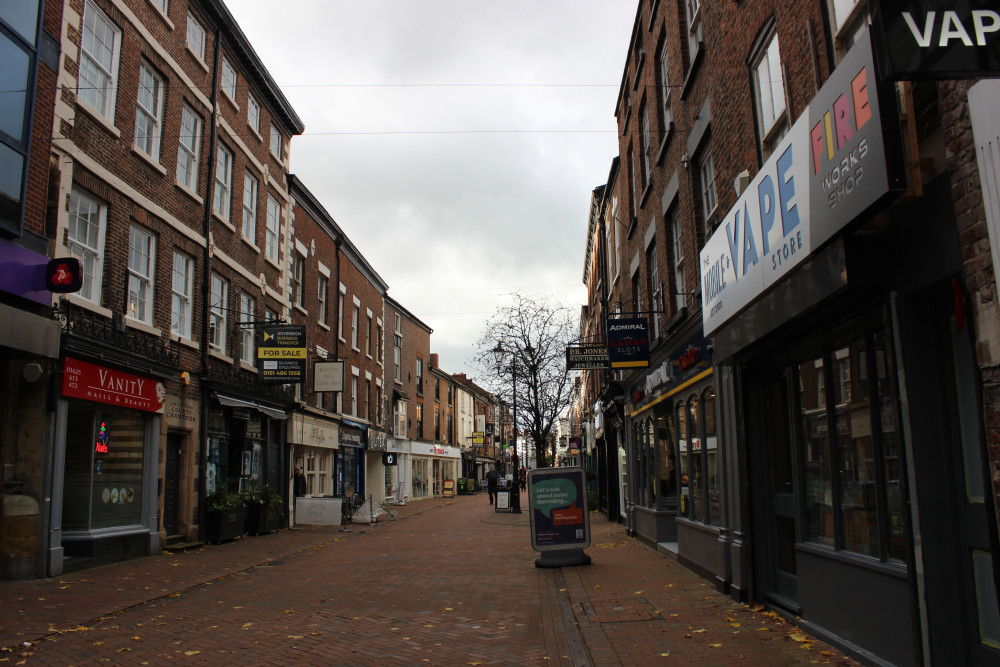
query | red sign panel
[107, 385]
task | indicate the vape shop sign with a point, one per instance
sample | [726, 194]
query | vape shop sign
[113, 387]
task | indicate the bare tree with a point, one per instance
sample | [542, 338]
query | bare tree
[523, 349]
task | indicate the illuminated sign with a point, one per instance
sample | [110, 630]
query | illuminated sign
[101, 446]
[628, 343]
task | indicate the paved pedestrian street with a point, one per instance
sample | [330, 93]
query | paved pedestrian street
[449, 582]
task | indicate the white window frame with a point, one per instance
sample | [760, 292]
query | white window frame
[141, 274]
[706, 173]
[250, 189]
[273, 229]
[253, 113]
[769, 89]
[668, 114]
[368, 337]
[223, 189]
[618, 230]
[189, 148]
[247, 315]
[100, 51]
[341, 296]
[88, 219]
[654, 290]
[647, 149]
[149, 112]
[694, 36]
[354, 395]
[182, 291]
[194, 38]
[276, 142]
[322, 295]
[298, 279]
[678, 247]
[218, 309]
[355, 323]
[228, 79]
[162, 5]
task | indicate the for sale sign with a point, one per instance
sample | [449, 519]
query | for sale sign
[281, 350]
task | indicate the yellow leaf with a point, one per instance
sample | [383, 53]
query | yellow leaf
[191, 652]
[448, 609]
[288, 611]
[716, 645]
[295, 636]
[474, 663]
[664, 655]
[826, 653]
[637, 593]
[247, 625]
[799, 637]
[735, 625]
[698, 632]
[597, 586]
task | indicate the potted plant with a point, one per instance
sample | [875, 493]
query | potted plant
[225, 516]
[263, 510]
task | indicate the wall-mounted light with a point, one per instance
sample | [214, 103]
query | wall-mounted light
[685, 159]
[185, 378]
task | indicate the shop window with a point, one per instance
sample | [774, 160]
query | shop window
[711, 455]
[683, 455]
[667, 459]
[854, 510]
[697, 464]
[105, 455]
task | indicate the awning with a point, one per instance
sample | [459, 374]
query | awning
[348, 422]
[273, 413]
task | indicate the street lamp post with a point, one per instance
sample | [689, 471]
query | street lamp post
[515, 491]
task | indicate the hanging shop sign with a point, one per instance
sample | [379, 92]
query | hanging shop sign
[328, 376]
[281, 350]
[628, 343]
[839, 160]
[113, 387]
[390, 458]
[931, 39]
[586, 357]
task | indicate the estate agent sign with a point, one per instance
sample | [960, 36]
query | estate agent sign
[835, 163]
[282, 353]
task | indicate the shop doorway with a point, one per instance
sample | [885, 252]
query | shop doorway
[172, 484]
[769, 437]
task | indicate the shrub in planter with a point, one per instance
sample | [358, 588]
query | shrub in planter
[225, 516]
[263, 511]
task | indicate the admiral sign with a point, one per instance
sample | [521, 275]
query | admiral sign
[834, 164]
[628, 343]
[931, 39]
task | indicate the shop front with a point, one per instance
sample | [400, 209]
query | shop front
[314, 441]
[106, 455]
[848, 392]
[245, 439]
[382, 478]
[675, 492]
[350, 460]
[432, 464]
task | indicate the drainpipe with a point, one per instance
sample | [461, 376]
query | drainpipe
[206, 290]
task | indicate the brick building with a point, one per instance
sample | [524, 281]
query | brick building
[170, 146]
[29, 337]
[337, 437]
[808, 248]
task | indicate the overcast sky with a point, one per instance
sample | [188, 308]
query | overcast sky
[456, 142]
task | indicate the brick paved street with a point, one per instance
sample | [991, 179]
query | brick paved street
[448, 583]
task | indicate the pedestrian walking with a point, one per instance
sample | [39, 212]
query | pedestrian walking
[491, 482]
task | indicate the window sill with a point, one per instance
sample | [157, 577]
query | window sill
[78, 300]
[251, 243]
[225, 223]
[149, 159]
[247, 367]
[220, 355]
[108, 125]
[667, 136]
[142, 326]
[693, 70]
[323, 325]
[197, 58]
[190, 193]
[163, 17]
[254, 131]
[225, 93]
[300, 309]
[186, 342]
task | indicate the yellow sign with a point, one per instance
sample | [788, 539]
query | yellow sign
[281, 353]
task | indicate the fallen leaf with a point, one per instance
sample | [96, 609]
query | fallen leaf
[295, 636]
[716, 645]
[698, 632]
[664, 655]
[637, 593]
[191, 652]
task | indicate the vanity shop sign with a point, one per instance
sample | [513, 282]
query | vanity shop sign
[835, 163]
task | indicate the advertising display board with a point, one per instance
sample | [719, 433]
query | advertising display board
[628, 342]
[560, 520]
[837, 161]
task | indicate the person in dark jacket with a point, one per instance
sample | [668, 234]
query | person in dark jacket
[491, 483]
[299, 486]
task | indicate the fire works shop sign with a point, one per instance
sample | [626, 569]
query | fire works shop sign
[839, 159]
[931, 39]
[113, 387]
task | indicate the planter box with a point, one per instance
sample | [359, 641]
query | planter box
[223, 526]
[261, 519]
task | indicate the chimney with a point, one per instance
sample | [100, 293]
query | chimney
[434, 361]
